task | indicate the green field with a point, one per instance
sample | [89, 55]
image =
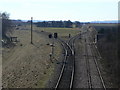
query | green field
[62, 32]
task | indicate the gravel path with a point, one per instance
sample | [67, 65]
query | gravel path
[80, 80]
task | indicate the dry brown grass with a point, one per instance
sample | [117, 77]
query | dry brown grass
[27, 65]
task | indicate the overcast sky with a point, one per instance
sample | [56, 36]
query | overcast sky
[74, 10]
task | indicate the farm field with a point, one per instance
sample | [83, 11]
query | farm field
[62, 32]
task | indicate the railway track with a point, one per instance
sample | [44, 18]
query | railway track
[95, 53]
[65, 79]
[98, 70]
[66, 76]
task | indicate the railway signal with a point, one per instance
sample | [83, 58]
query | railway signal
[69, 35]
[55, 35]
[50, 35]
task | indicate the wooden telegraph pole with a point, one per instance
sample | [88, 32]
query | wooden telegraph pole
[31, 30]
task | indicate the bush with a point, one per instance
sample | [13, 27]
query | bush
[6, 26]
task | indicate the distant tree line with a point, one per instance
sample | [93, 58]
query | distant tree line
[62, 24]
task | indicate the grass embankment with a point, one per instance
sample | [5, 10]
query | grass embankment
[28, 65]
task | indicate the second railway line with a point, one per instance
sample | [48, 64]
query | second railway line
[87, 73]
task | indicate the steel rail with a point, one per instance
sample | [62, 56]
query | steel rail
[61, 73]
[96, 63]
[66, 47]
[98, 69]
